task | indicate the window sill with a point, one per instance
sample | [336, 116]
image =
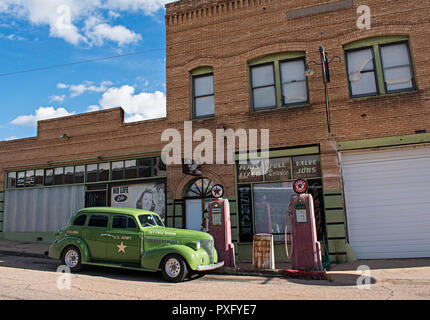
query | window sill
[385, 96]
[203, 118]
[284, 108]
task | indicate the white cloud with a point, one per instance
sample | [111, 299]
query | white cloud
[118, 34]
[62, 86]
[12, 37]
[93, 108]
[55, 98]
[67, 19]
[42, 113]
[79, 89]
[141, 106]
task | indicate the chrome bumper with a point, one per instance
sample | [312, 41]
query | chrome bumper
[210, 266]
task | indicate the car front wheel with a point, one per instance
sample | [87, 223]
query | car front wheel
[71, 257]
[174, 268]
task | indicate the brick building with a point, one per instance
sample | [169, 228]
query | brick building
[241, 65]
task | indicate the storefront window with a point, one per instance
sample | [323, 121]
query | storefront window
[144, 168]
[104, 171]
[38, 179]
[68, 175]
[130, 169]
[271, 201]
[265, 190]
[29, 178]
[59, 175]
[88, 173]
[11, 177]
[91, 172]
[79, 174]
[49, 177]
[118, 170]
[20, 182]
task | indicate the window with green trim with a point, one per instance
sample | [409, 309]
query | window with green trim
[203, 95]
[379, 66]
[89, 173]
[278, 81]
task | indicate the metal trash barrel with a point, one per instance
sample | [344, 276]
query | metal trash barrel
[263, 253]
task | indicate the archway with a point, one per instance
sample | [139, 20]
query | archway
[197, 196]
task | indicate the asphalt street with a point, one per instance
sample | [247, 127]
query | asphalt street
[36, 278]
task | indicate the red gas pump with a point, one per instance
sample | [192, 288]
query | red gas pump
[220, 229]
[305, 248]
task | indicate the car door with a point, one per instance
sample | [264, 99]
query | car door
[124, 241]
[96, 237]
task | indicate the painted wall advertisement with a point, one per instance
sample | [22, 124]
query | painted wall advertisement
[146, 196]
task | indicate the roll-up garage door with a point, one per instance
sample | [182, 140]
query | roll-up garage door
[387, 200]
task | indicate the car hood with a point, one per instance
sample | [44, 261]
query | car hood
[174, 233]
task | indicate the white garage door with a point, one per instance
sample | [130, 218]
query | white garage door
[387, 195]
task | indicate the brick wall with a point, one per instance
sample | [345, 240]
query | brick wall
[91, 135]
[228, 34]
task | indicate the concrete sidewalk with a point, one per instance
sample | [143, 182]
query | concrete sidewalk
[411, 271]
[28, 249]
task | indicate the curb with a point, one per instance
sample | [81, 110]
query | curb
[238, 272]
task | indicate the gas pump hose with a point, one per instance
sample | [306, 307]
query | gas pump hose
[286, 235]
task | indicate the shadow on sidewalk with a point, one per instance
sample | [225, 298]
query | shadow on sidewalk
[50, 265]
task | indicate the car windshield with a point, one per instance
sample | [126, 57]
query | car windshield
[150, 220]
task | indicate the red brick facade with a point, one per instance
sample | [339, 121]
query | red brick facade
[227, 35]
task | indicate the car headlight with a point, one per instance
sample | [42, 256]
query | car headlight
[198, 245]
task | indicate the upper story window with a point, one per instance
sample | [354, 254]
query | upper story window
[263, 86]
[278, 81]
[379, 66]
[203, 93]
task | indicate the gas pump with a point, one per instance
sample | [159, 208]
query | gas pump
[220, 227]
[305, 248]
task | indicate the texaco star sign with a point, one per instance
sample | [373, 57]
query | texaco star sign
[217, 191]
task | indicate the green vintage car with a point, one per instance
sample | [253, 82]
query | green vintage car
[133, 239]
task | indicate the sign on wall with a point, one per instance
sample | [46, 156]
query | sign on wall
[147, 196]
[283, 168]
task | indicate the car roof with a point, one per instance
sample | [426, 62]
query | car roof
[129, 211]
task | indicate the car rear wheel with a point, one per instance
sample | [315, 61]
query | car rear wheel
[174, 268]
[71, 257]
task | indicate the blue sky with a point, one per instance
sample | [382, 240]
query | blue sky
[42, 33]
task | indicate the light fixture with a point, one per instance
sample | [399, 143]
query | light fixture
[326, 76]
[309, 72]
[63, 136]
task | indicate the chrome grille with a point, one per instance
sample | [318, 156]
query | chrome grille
[208, 245]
